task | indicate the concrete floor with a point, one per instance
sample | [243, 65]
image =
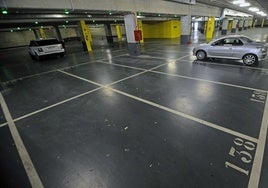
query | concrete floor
[162, 119]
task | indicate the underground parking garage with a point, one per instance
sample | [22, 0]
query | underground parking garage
[129, 104]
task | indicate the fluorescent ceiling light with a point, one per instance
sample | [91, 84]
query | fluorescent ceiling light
[244, 4]
[253, 9]
[238, 2]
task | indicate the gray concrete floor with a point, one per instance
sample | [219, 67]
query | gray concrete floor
[107, 119]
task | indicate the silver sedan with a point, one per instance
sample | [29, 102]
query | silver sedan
[232, 47]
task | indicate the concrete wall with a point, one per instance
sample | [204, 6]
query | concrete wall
[151, 6]
[165, 29]
[15, 38]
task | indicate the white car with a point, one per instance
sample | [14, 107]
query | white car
[232, 47]
[44, 47]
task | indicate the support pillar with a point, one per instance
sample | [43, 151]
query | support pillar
[225, 23]
[36, 34]
[85, 36]
[42, 33]
[246, 25]
[240, 25]
[109, 35]
[210, 28]
[262, 22]
[234, 26]
[131, 25]
[58, 34]
[250, 23]
[119, 32]
[140, 28]
[185, 29]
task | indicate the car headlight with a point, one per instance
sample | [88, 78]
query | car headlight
[262, 49]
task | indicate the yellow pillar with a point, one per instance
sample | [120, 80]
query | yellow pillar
[119, 32]
[42, 33]
[140, 28]
[210, 28]
[262, 22]
[86, 35]
[230, 24]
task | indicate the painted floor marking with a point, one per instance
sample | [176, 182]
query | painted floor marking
[3, 124]
[214, 82]
[257, 163]
[186, 77]
[25, 158]
[255, 100]
[80, 95]
[203, 122]
[226, 65]
[56, 104]
[55, 70]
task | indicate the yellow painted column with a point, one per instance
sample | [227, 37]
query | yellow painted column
[262, 22]
[230, 23]
[42, 33]
[210, 28]
[86, 35]
[119, 32]
[140, 28]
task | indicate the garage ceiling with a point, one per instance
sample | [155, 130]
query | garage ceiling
[261, 4]
[28, 17]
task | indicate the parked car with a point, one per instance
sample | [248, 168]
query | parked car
[232, 47]
[43, 47]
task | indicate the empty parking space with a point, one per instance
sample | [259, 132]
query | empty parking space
[255, 78]
[102, 73]
[105, 138]
[12, 173]
[34, 93]
[222, 105]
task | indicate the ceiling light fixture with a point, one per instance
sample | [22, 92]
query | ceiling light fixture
[238, 2]
[244, 4]
[253, 9]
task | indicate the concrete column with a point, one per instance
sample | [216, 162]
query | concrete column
[119, 32]
[140, 28]
[131, 25]
[246, 24]
[85, 35]
[58, 34]
[250, 23]
[254, 23]
[262, 22]
[210, 28]
[42, 33]
[185, 29]
[109, 35]
[225, 23]
[240, 25]
[36, 34]
[234, 26]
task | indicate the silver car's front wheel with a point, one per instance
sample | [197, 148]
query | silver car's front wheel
[250, 59]
[201, 55]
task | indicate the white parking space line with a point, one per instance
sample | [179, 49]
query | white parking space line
[185, 77]
[54, 105]
[3, 124]
[25, 158]
[55, 70]
[226, 65]
[214, 82]
[257, 163]
[203, 122]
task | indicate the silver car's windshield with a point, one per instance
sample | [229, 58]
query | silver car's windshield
[246, 39]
